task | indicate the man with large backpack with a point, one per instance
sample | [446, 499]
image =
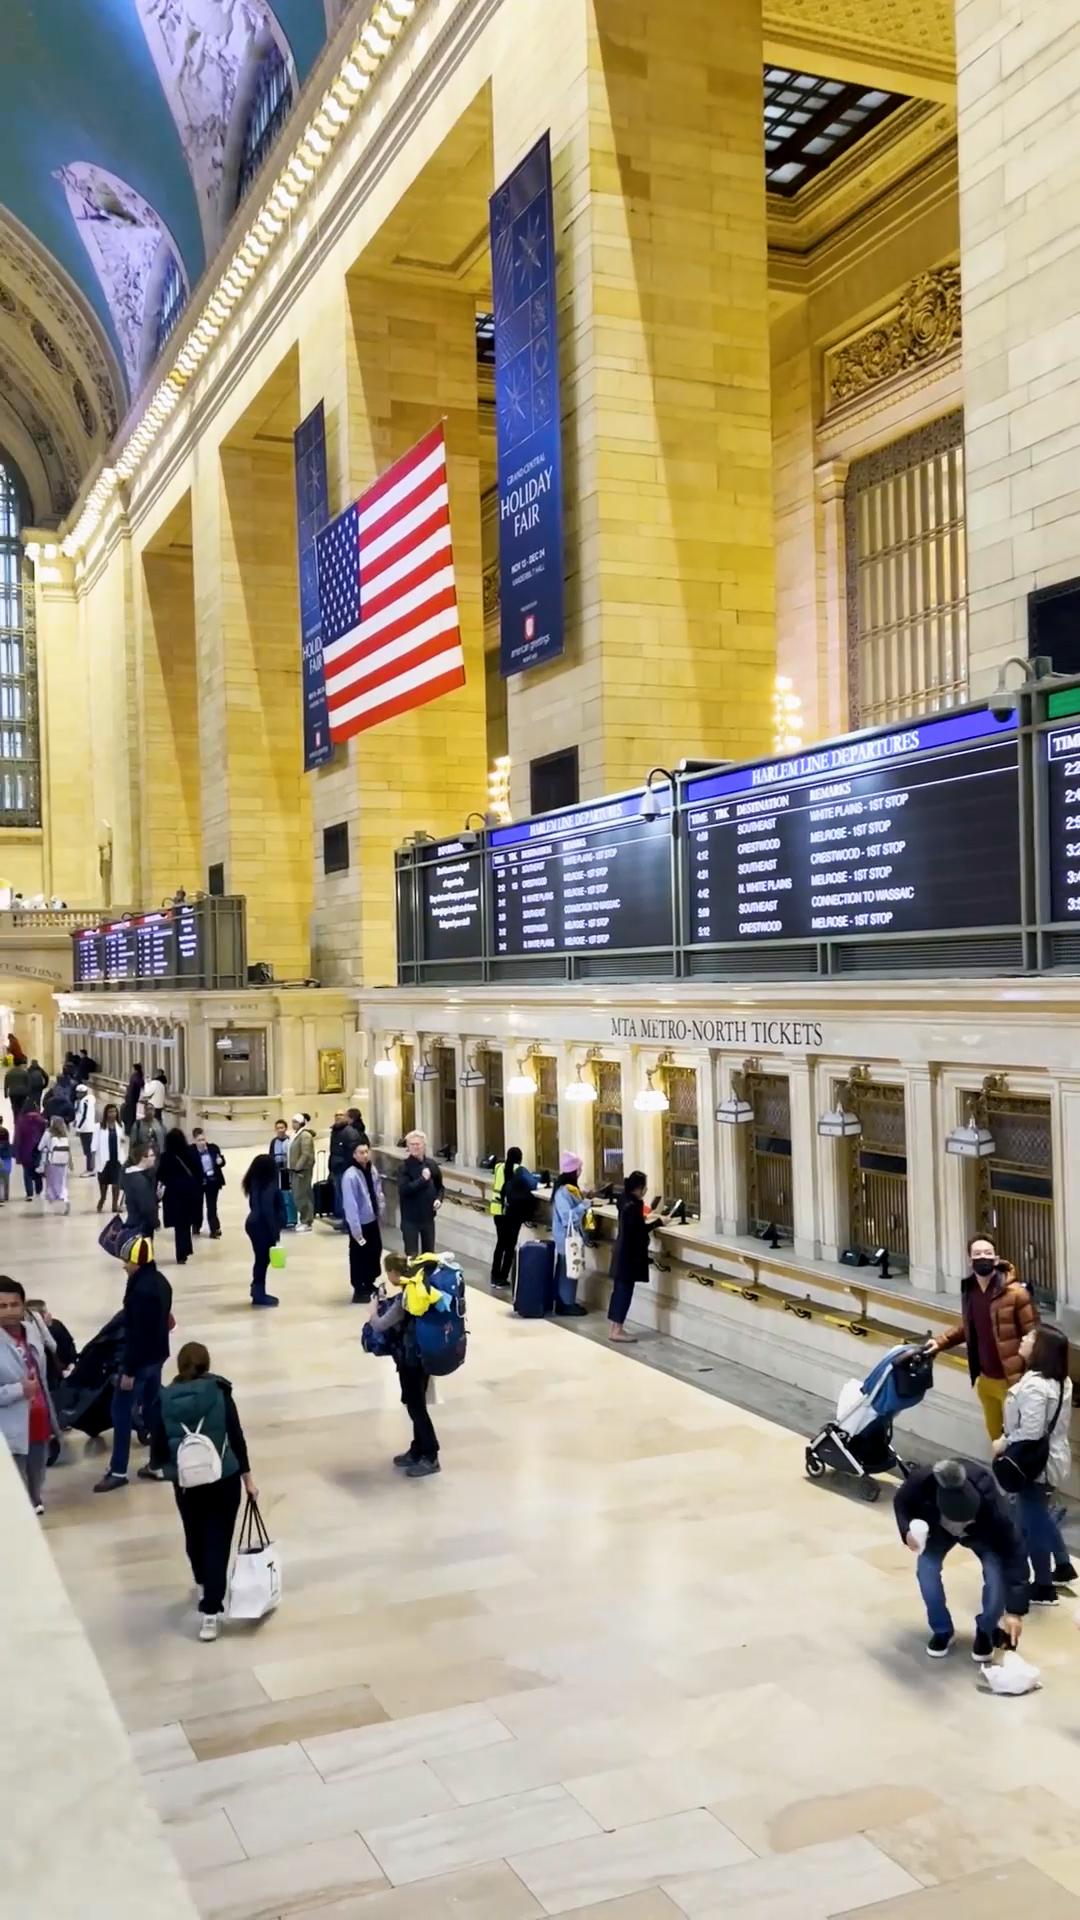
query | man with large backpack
[432, 1343]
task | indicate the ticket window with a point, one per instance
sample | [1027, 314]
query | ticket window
[608, 1167]
[546, 1070]
[681, 1147]
[1014, 1189]
[240, 1069]
[408, 1089]
[445, 1059]
[877, 1173]
[492, 1114]
[767, 1143]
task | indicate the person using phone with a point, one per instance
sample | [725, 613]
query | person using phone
[420, 1188]
[630, 1260]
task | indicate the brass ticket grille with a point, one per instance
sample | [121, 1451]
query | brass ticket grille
[681, 1142]
[608, 1125]
[493, 1114]
[445, 1059]
[768, 1151]
[408, 1090]
[877, 1171]
[1014, 1188]
[547, 1111]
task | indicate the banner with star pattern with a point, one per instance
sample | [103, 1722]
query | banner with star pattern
[529, 435]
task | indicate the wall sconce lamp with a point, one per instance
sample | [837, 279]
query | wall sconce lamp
[582, 1091]
[427, 1070]
[472, 1075]
[840, 1122]
[652, 1099]
[523, 1082]
[389, 1066]
[974, 1140]
[736, 1110]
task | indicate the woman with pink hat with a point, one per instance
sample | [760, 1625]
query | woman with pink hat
[568, 1210]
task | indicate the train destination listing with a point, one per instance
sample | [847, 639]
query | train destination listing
[453, 927]
[597, 879]
[1063, 820]
[893, 841]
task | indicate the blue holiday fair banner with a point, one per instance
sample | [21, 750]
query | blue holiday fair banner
[312, 513]
[529, 439]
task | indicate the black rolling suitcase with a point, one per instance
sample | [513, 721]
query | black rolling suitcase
[322, 1188]
[534, 1285]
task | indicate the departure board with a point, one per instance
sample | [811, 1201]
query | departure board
[595, 879]
[451, 901]
[194, 944]
[1063, 820]
[916, 830]
[88, 958]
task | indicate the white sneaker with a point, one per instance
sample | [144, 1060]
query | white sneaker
[208, 1630]
[39, 1509]
[300, 1227]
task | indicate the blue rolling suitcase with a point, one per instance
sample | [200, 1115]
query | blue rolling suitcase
[534, 1287]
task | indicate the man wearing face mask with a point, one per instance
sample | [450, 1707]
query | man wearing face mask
[998, 1311]
[938, 1508]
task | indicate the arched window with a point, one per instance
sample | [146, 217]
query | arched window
[20, 804]
[271, 103]
[171, 304]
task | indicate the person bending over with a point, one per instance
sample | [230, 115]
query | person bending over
[954, 1504]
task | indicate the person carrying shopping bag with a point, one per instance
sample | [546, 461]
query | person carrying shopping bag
[568, 1210]
[1033, 1456]
[197, 1442]
[264, 1223]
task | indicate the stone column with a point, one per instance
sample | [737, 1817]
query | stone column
[254, 802]
[830, 478]
[924, 1149]
[655, 117]
[1019, 175]
[167, 679]
[803, 1101]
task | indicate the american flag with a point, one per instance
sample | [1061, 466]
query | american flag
[391, 635]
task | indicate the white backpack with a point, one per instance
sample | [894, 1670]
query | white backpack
[198, 1462]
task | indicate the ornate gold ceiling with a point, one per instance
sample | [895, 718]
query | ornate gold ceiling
[885, 39]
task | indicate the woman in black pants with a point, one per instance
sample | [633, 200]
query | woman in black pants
[264, 1224]
[422, 1457]
[180, 1190]
[199, 1399]
[630, 1261]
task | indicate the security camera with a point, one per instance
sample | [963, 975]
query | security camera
[1002, 703]
[648, 809]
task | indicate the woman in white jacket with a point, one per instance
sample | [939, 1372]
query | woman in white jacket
[85, 1125]
[1039, 1407]
[110, 1156]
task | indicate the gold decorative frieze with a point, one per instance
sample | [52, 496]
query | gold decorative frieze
[922, 327]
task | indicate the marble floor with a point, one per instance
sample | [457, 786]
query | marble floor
[619, 1659]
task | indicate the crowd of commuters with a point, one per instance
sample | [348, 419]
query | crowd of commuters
[1005, 1513]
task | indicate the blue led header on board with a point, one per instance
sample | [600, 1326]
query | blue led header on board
[559, 826]
[852, 755]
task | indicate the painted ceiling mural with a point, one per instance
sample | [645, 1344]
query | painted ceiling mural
[121, 133]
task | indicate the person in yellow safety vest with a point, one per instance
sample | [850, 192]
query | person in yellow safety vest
[511, 1204]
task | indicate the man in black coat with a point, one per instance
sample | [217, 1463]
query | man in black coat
[148, 1322]
[37, 1081]
[212, 1176]
[17, 1089]
[954, 1503]
[420, 1186]
[140, 1191]
[344, 1139]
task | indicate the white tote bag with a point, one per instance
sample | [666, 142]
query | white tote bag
[575, 1255]
[255, 1587]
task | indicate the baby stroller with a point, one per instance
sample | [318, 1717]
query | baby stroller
[859, 1441]
[85, 1397]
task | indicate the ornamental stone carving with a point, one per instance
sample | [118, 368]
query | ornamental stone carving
[922, 327]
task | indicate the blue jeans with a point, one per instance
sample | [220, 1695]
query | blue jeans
[932, 1587]
[146, 1394]
[1042, 1535]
